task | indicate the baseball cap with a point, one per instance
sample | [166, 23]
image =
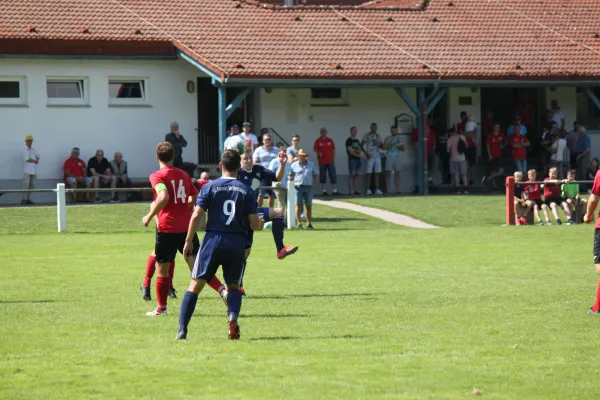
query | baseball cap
[28, 137]
[235, 126]
[246, 124]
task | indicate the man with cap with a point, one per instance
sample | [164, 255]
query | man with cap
[249, 137]
[235, 131]
[75, 173]
[178, 142]
[31, 158]
[305, 179]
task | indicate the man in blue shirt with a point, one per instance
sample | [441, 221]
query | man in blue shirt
[232, 211]
[582, 148]
[304, 182]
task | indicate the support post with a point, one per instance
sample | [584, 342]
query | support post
[592, 96]
[61, 207]
[291, 205]
[422, 148]
[510, 204]
[235, 103]
[222, 116]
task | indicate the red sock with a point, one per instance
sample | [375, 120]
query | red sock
[597, 303]
[163, 284]
[216, 284]
[150, 268]
[171, 272]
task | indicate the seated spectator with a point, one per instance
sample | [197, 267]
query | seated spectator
[119, 171]
[99, 170]
[570, 192]
[534, 198]
[553, 197]
[522, 208]
[75, 173]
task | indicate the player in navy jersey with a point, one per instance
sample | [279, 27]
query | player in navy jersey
[232, 211]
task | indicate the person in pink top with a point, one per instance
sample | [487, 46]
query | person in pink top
[457, 147]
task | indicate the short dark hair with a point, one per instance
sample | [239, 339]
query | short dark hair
[393, 127]
[572, 172]
[165, 152]
[295, 135]
[264, 130]
[231, 160]
[352, 127]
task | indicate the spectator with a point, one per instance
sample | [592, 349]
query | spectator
[521, 206]
[441, 149]
[75, 173]
[292, 151]
[263, 156]
[235, 131]
[559, 149]
[526, 110]
[100, 171]
[570, 193]
[31, 158]
[583, 152]
[354, 151]
[304, 182]
[572, 144]
[468, 128]
[557, 115]
[249, 137]
[553, 197]
[393, 145]
[325, 149]
[495, 143]
[178, 142]
[458, 158]
[592, 171]
[546, 142]
[119, 171]
[281, 147]
[204, 179]
[372, 143]
[430, 146]
[534, 198]
[522, 128]
[518, 145]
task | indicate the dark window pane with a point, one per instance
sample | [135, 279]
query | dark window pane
[125, 90]
[329, 93]
[9, 90]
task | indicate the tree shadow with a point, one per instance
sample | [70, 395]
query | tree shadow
[334, 337]
[26, 301]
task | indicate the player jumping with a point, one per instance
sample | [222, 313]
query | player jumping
[232, 211]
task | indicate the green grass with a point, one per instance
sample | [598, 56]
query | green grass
[365, 309]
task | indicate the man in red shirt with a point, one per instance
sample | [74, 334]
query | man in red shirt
[495, 143]
[431, 156]
[553, 197]
[174, 193]
[588, 217]
[518, 143]
[76, 173]
[325, 149]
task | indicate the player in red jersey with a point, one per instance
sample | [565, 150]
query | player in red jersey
[534, 199]
[588, 217]
[553, 196]
[173, 192]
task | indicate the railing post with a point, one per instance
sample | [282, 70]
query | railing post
[61, 207]
[510, 203]
[291, 205]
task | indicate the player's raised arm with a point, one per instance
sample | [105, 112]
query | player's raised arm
[282, 162]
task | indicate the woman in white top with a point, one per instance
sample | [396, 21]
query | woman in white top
[559, 150]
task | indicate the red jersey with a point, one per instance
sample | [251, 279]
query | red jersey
[495, 142]
[326, 147]
[175, 216]
[201, 182]
[596, 192]
[75, 167]
[460, 128]
[533, 192]
[430, 138]
[551, 190]
[518, 153]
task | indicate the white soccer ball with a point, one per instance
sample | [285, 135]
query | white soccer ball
[236, 143]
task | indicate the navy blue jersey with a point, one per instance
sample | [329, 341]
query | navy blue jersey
[228, 203]
[253, 178]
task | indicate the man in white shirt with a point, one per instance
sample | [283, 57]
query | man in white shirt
[249, 137]
[263, 156]
[31, 158]
[557, 115]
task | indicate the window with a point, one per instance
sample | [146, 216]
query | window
[12, 91]
[128, 92]
[587, 112]
[328, 97]
[67, 91]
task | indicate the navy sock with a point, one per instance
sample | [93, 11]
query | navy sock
[277, 229]
[188, 305]
[234, 304]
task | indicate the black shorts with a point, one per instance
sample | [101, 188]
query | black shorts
[168, 244]
[496, 164]
[597, 246]
[538, 203]
[472, 155]
[557, 200]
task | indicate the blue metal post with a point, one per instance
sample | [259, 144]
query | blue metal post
[421, 116]
[436, 99]
[222, 115]
[236, 102]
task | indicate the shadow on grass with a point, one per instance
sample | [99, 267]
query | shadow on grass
[26, 301]
[244, 316]
[311, 295]
[335, 337]
[327, 219]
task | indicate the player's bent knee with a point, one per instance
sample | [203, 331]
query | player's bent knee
[196, 285]
[233, 286]
[275, 213]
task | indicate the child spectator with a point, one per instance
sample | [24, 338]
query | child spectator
[534, 199]
[553, 198]
[570, 192]
[521, 206]
[518, 143]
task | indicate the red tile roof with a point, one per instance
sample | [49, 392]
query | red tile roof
[450, 39]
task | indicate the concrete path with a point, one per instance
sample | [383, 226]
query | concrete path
[388, 216]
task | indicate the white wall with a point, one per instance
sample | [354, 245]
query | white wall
[454, 109]
[288, 111]
[567, 101]
[135, 131]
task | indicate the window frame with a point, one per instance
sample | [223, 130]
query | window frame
[84, 88]
[129, 102]
[22, 99]
[339, 102]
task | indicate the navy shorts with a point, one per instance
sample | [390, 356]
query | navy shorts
[168, 244]
[266, 192]
[220, 249]
[262, 212]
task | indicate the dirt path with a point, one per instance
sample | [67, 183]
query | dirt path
[388, 216]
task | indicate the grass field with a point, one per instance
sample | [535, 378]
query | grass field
[365, 309]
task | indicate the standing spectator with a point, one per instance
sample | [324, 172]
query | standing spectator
[468, 128]
[263, 156]
[592, 171]
[559, 148]
[393, 145]
[31, 158]
[494, 144]
[292, 151]
[119, 171]
[572, 138]
[100, 171]
[178, 142]
[512, 129]
[526, 110]
[372, 143]
[235, 131]
[518, 144]
[354, 150]
[305, 179]
[441, 148]
[430, 142]
[458, 158]
[75, 173]
[249, 137]
[550, 131]
[583, 152]
[557, 115]
[325, 149]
